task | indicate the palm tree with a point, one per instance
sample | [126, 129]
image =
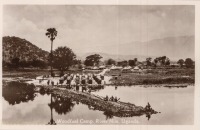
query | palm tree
[51, 33]
[52, 122]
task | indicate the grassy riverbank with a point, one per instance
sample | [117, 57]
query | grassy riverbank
[16, 92]
[118, 109]
[145, 77]
[33, 73]
[155, 76]
[24, 73]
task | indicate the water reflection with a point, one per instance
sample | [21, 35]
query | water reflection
[96, 88]
[42, 91]
[61, 105]
[51, 122]
[108, 114]
[148, 115]
[16, 92]
[173, 109]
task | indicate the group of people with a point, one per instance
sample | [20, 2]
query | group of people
[148, 107]
[114, 99]
[50, 82]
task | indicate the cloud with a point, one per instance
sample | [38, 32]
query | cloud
[84, 28]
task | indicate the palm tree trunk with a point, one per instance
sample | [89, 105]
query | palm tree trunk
[51, 57]
[51, 109]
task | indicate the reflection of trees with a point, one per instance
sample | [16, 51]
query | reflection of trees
[51, 122]
[96, 88]
[148, 115]
[43, 91]
[16, 92]
[61, 105]
[108, 114]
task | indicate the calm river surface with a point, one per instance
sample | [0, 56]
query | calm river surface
[175, 104]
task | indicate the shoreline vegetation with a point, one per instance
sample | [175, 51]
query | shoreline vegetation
[126, 72]
[178, 77]
[147, 78]
[157, 77]
[110, 108]
[118, 109]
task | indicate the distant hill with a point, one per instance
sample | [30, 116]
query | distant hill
[173, 47]
[24, 50]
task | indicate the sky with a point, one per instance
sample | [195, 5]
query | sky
[87, 28]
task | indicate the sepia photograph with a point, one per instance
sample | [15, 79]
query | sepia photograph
[98, 64]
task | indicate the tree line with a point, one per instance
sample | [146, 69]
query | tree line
[16, 63]
[159, 61]
[63, 58]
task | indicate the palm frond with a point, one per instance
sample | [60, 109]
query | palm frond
[51, 33]
[47, 33]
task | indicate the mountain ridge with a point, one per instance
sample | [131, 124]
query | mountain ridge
[15, 47]
[175, 48]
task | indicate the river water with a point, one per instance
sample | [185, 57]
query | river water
[175, 104]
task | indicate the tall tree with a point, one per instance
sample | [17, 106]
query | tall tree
[189, 63]
[92, 60]
[148, 60]
[131, 62]
[167, 61]
[156, 61]
[163, 59]
[122, 63]
[63, 58]
[180, 62]
[51, 33]
[111, 62]
[136, 61]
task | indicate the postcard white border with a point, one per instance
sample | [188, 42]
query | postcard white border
[196, 125]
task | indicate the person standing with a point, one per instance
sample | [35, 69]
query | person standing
[83, 82]
[77, 80]
[52, 83]
[69, 81]
[90, 80]
[102, 77]
[48, 82]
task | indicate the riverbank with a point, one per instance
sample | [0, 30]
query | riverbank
[24, 91]
[154, 77]
[161, 99]
[157, 77]
[30, 73]
[168, 78]
[118, 109]
[24, 73]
